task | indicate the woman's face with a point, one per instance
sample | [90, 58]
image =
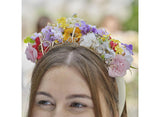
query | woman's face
[63, 92]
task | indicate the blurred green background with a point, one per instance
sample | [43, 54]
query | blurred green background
[119, 17]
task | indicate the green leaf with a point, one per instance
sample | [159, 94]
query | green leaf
[102, 56]
[133, 67]
[28, 40]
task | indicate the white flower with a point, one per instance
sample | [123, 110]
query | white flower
[100, 49]
[57, 32]
[128, 55]
[109, 56]
[129, 59]
[111, 53]
[89, 41]
[72, 21]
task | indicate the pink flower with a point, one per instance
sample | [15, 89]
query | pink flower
[118, 66]
[31, 53]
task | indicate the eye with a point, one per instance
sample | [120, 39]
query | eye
[46, 105]
[43, 102]
[77, 105]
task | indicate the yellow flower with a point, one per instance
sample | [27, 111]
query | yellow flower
[68, 33]
[103, 38]
[118, 50]
[115, 41]
[62, 21]
[56, 41]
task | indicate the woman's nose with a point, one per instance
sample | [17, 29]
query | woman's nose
[60, 112]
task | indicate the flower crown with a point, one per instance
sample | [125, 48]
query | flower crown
[117, 55]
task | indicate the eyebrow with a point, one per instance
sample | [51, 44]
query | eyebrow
[68, 97]
[78, 96]
[44, 93]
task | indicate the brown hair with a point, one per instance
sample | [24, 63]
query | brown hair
[91, 67]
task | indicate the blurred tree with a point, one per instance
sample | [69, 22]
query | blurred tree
[132, 22]
[42, 22]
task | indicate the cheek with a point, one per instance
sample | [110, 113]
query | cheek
[40, 113]
[87, 113]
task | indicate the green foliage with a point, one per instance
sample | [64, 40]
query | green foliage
[132, 22]
[28, 40]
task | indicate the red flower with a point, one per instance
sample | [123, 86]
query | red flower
[39, 55]
[113, 45]
[37, 46]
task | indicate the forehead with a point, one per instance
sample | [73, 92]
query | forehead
[63, 80]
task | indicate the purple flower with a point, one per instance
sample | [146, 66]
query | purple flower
[128, 47]
[57, 33]
[94, 29]
[102, 32]
[85, 28]
[33, 37]
[51, 34]
[77, 25]
[48, 33]
[31, 53]
[60, 40]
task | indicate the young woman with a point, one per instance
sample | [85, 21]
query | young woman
[75, 74]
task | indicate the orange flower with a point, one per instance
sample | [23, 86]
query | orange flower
[68, 34]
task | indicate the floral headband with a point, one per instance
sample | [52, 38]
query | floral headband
[117, 55]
